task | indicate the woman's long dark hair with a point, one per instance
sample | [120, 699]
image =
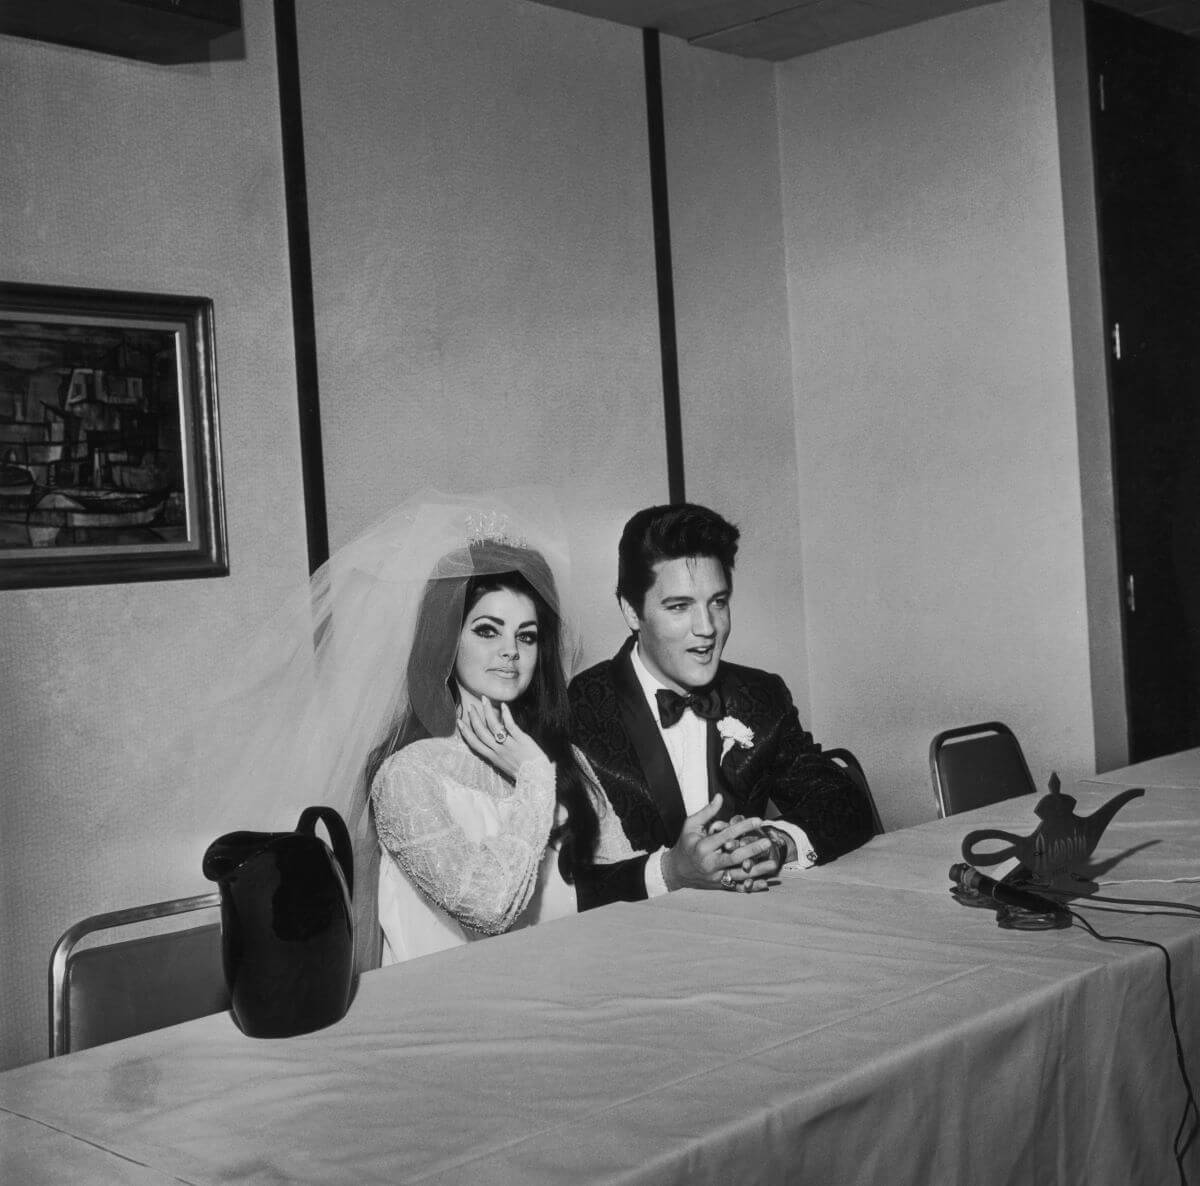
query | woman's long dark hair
[542, 711]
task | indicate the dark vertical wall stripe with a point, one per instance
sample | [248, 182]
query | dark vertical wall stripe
[304, 328]
[300, 259]
[662, 263]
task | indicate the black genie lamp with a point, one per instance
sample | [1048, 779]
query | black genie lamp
[1057, 853]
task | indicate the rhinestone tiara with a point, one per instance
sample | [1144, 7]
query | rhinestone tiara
[491, 527]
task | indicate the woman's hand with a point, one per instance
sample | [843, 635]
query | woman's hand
[497, 738]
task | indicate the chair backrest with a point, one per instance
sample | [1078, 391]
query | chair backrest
[118, 989]
[852, 766]
[974, 765]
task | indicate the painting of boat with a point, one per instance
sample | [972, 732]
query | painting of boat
[87, 458]
[77, 507]
[109, 444]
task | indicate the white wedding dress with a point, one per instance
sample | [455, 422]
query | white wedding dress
[465, 852]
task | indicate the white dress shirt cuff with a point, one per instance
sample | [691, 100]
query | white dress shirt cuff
[805, 857]
[656, 884]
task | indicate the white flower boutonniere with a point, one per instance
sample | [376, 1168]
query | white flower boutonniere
[734, 733]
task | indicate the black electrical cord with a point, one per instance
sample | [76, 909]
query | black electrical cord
[1180, 1145]
[1184, 907]
[1135, 913]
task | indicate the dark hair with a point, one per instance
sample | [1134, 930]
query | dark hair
[542, 710]
[670, 533]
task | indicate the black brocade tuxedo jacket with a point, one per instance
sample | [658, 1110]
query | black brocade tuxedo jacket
[615, 727]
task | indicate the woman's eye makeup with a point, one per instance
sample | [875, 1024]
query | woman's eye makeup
[527, 638]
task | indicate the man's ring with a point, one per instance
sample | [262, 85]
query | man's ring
[501, 736]
[727, 880]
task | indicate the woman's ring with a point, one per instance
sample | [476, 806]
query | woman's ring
[501, 736]
[727, 879]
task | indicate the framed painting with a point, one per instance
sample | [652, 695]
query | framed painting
[110, 455]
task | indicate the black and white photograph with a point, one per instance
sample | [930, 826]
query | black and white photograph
[600, 591]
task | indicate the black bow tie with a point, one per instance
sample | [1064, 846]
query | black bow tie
[704, 703]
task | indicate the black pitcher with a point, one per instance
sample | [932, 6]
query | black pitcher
[287, 934]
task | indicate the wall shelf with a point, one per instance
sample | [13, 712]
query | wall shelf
[164, 31]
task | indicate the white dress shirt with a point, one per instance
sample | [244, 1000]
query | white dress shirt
[687, 747]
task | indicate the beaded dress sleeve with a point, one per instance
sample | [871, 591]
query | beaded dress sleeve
[467, 838]
[612, 845]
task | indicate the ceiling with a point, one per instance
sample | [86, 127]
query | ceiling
[777, 30]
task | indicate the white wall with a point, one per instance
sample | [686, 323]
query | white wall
[126, 175]
[734, 352]
[935, 398]
[484, 268]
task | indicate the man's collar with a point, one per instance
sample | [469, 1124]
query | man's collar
[649, 681]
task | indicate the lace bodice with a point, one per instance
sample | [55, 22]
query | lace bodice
[470, 840]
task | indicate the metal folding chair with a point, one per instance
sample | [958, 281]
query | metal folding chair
[117, 989]
[852, 766]
[974, 765]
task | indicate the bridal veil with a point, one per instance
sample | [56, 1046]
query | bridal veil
[328, 681]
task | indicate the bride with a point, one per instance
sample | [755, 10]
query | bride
[416, 684]
[482, 806]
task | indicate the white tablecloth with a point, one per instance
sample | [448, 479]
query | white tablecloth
[1172, 770]
[854, 1025]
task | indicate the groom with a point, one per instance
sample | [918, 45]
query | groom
[668, 726]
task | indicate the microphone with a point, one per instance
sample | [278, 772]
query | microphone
[971, 880]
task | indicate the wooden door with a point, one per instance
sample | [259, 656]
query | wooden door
[1146, 121]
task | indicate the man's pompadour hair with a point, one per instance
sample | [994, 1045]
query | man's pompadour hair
[670, 533]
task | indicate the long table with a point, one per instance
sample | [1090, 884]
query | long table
[1181, 770]
[853, 1025]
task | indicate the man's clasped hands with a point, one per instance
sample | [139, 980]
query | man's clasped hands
[745, 848]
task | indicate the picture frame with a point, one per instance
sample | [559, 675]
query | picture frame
[110, 452]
